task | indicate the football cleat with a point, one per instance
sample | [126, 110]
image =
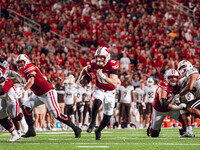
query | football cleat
[189, 133]
[90, 128]
[77, 132]
[29, 133]
[14, 136]
[182, 131]
[98, 135]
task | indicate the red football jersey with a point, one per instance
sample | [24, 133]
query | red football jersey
[8, 82]
[171, 91]
[41, 85]
[111, 66]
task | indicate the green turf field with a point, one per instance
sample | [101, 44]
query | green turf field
[124, 139]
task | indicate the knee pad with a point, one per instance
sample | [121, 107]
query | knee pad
[154, 133]
[18, 118]
[6, 123]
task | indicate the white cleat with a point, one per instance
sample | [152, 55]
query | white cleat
[189, 133]
[14, 136]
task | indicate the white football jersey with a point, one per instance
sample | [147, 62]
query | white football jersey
[126, 94]
[70, 92]
[139, 92]
[149, 92]
[117, 93]
[88, 94]
[182, 83]
[196, 89]
[79, 92]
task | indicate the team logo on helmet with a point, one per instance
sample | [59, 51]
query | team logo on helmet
[102, 52]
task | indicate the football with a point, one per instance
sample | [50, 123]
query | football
[85, 80]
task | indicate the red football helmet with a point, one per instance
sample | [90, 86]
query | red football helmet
[172, 76]
[22, 58]
[102, 56]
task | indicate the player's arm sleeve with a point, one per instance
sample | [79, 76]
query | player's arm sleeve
[15, 75]
[114, 72]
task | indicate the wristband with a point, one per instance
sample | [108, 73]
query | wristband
[103, 76]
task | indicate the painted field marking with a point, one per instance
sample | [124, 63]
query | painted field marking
[93, 146]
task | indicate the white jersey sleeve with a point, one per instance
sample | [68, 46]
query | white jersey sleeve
[191, 71]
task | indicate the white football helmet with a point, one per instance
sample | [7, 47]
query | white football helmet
[102, 51]
[66, 82]
[71, 79]
[22, 57]
[172, 73]
[150, 81]
[183, 66]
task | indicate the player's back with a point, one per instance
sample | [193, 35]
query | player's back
[41, 85]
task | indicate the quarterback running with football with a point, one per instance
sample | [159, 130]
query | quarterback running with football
[44, 94]
[162, 104]
[105, 71]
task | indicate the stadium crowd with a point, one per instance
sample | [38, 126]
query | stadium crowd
[147, 37]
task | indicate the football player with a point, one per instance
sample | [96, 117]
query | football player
[88, 98]
[105, 71]
[149, 94]
[162, 104]
[70, 98]
[9, 104]
[125, 99]
[187, 70]
[80, 102]
[186, 132]
[44, 94]
[138, 94]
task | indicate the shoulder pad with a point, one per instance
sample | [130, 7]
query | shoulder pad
[191, 71]
[163, 85]
[114, 64]
[29, 68]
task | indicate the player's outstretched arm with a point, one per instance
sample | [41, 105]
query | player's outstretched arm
[84, 71]
[191, 81]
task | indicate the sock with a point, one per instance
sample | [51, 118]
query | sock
[66, 121]
[119, 126]
[13, 132]
[79, 125]
[104, 122]
[95, 108]
[128, 126]
[28, 116]
[189, 128]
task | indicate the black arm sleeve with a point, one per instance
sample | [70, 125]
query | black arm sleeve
[114, 72]
[1, 88]
[88, 70]
[30, 75]
[2, 79]
[164, 103]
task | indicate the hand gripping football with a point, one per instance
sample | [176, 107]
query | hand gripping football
[85, 80]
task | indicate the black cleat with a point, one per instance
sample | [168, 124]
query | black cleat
[148, 130]
[29, 133]
[77, 132]
[90, 128]
[182, 131]
[98, 135]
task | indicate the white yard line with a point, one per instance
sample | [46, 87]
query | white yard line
[93, 146]
[175, 144]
